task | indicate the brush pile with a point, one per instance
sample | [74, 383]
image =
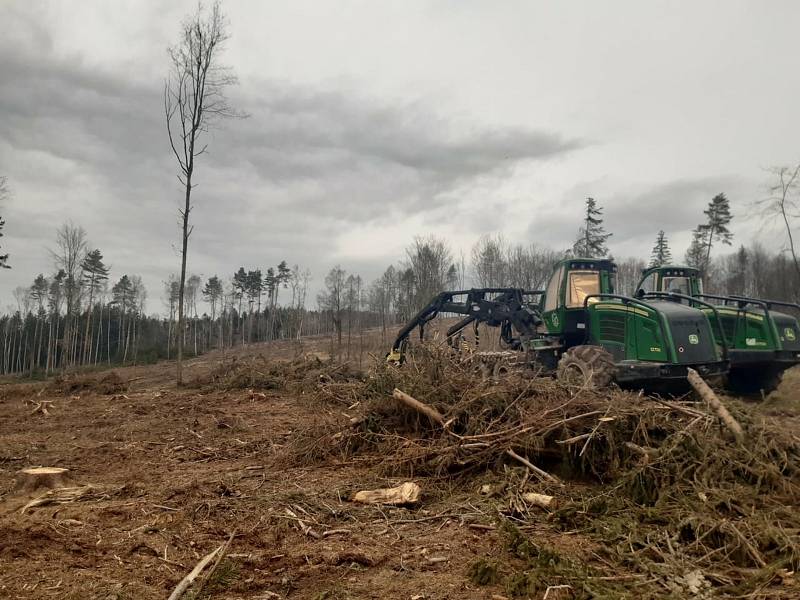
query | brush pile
[259, 373]
[674, 503]
[78, 383]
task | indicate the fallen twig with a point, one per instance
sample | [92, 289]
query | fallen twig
[536, 470]
[184, 583]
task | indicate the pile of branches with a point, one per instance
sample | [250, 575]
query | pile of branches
[673, 499]
[260, 373]
[76, 383]
[575, 432]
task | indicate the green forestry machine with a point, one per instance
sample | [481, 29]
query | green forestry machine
[582, 331]
[762, 342]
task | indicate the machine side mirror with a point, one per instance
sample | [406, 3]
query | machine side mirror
[639, 294]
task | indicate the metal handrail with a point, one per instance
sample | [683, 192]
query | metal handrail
[769, 303]
[743, 301]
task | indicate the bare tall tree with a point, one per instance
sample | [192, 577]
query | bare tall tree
[194, 97]
[67, 257]
[783, 201]
[4, 194]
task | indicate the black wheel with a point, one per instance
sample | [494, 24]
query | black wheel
[591, 367]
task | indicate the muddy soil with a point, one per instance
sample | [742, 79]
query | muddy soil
[177, 472]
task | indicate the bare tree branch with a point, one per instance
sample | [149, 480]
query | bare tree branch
[783, 201]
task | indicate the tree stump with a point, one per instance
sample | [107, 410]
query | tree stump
[42, 478]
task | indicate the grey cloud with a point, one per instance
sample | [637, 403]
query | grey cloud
[376, 160]
[634, 216]
[90, 146]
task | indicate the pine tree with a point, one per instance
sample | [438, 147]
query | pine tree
[122, 294]
[39, 290]
[591, 242]
[254, 285]
[213, 293]
[695, 255]
[38, 294]
[95, 273]
[715, 228]
[284, 273]
[661, 254]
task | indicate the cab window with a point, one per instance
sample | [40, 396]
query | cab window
[649, 283]
[551, 294]
[677, 285]
[581, 284]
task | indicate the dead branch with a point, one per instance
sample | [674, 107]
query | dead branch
[220, 555]
[536, 470]
[184, 583]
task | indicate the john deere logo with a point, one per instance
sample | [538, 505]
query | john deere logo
[555, 320]
[694, 339]
[789, 333]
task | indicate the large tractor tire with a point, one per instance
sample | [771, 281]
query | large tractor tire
[590, 367]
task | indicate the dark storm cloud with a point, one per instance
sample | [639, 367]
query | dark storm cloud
[90, 146]
[375, 160]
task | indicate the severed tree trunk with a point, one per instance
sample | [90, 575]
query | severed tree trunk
[707, 394]
[38, 478]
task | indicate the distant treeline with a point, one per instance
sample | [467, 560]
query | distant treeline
[73, 318]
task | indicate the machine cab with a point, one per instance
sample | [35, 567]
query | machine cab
[671, 279]
[572, 282]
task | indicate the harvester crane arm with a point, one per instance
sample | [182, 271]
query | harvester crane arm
[507, 308]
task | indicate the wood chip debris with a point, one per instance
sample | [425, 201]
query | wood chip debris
[403, 494]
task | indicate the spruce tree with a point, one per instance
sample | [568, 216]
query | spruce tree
[661, 254]
[592, 237]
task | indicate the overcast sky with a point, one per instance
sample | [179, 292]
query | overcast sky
[372, 122]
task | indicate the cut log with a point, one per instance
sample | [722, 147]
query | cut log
[540, 500]
[430, 412]
[405, 493]
[708, 395]
[42, 478]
